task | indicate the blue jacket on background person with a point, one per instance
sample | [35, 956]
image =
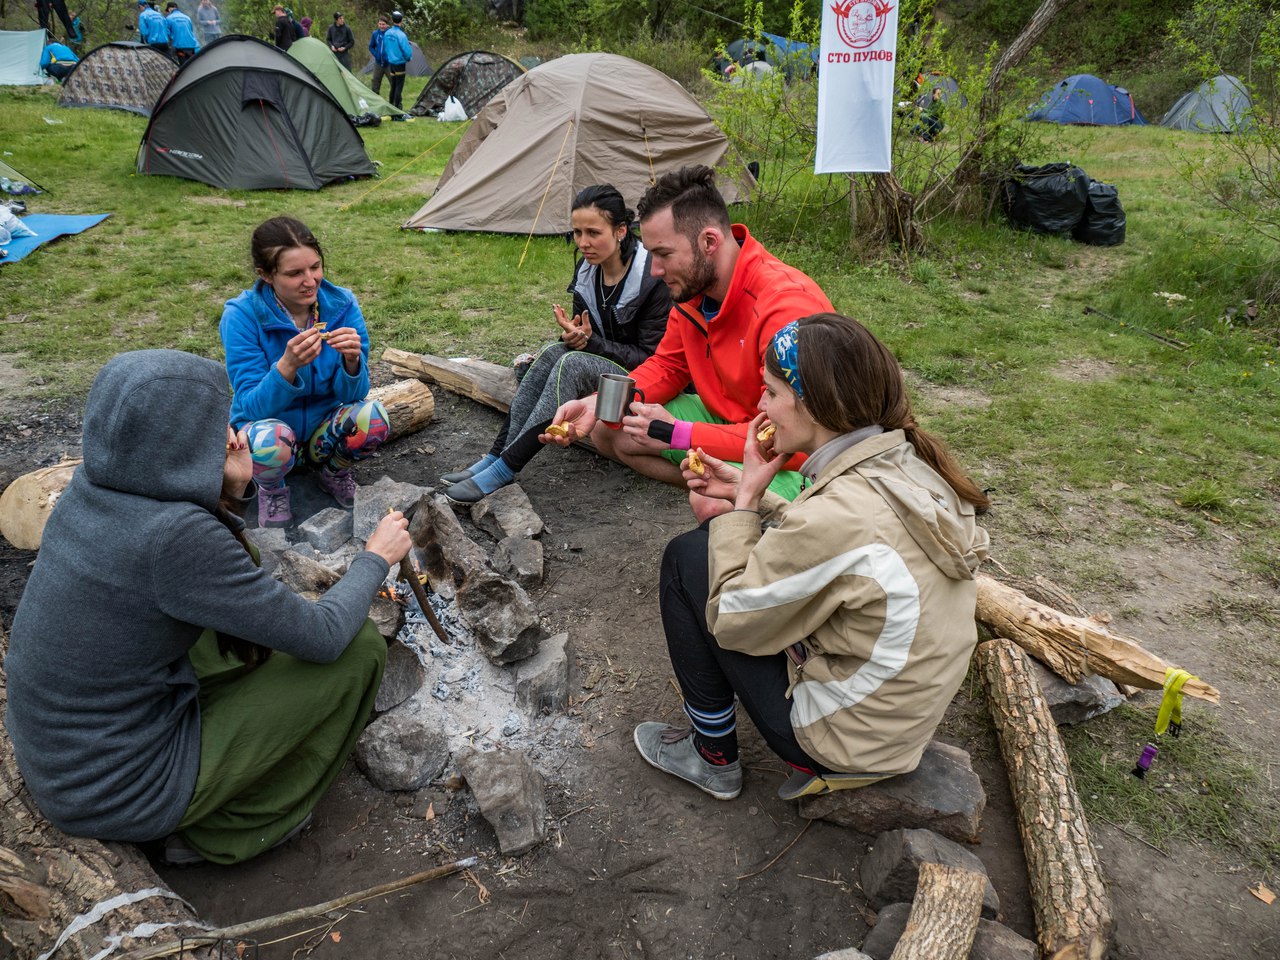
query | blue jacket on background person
[152, 27]
[57, 53]
[395, 47]
[181, 32]
[375, 46]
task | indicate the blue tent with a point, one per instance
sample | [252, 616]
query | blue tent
[1086, 99]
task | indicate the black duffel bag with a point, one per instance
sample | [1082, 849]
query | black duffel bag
[1047, 199]
[1103, 221]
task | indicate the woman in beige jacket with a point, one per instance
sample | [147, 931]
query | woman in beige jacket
[845, 630]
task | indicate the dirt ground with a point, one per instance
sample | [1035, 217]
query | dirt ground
[639, 865]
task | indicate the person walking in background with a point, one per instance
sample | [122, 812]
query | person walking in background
[397, 53]
[153, 29]
[76, 37]
[209, 20]
[341, 40]
[182, 33]
[375, 51]
[282, 33]
[43, 7]
[58, 60]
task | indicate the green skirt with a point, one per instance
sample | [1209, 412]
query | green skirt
[272, 740]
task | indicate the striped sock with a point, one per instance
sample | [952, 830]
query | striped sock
[715, 734]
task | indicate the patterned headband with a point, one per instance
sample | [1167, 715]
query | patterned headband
[786, 345]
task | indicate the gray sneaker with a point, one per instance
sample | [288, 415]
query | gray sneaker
[671, 749]
[449, 479]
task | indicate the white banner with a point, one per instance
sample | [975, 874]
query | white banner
[856, 73]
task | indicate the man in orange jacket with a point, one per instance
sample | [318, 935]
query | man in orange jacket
[730, 297]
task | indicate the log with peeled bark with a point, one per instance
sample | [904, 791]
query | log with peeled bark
[409, 404]
[944, 914]
[1073, 912]
[1074, 647]
[48, 879]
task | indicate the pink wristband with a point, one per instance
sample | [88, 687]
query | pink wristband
[681, 435]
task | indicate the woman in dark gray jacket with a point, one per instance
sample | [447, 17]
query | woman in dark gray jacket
[619, 315]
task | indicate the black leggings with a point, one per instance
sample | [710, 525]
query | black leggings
[396, 94]
[60, 8]
[710, 676]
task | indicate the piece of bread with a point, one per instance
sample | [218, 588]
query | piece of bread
[558, 430]
[766, 434]
[695, 463]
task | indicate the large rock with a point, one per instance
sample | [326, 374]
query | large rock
[403, 677]
[387, 616]
[993, 941]
[1076, 702]
[373, 502]
[507, 512]
[501, 616]
[542, 681]
[402, 749]
[327, 530]
[891, 871]
[27, 502]
[447, 555]
[304, 575]
[270, 542]
[943, 794]
[510, 794]
[519, 559]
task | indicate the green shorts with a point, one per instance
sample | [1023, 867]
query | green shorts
[689, 406]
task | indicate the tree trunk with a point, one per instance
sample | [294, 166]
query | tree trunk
[944, 914]
[1073, 647]
[489, 383]
[1072, 909]
[48, 878]
[896, 209]
[409, 404]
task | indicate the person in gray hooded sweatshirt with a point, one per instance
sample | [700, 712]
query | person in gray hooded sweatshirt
[160, 684]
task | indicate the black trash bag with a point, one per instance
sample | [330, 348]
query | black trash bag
[1103, 221]
[1047, 199]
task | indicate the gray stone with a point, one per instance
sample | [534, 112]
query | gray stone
[510, 794]
[891, 871]
[271, 542]
[447, 555]
[373, 502]
[507, 512]
[305, 549]
[327, 530]
[402, 749]
[305, 576]
[387, 616]
[542, 681]
[403, 677]
[520, 559]
[993, 941]
[501, 616]
[943, 794]
[1076, 702]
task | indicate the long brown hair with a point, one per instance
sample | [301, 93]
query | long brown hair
[851, 380]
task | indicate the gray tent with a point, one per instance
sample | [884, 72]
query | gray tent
[242, 114]
[1220, 105]
[574, 121]
[122, 75]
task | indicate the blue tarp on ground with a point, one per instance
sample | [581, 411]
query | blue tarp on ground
[48, 226]
[1085, 99]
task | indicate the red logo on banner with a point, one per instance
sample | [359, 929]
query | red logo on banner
[860, 23]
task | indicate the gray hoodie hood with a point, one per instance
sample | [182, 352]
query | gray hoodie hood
[136, 403]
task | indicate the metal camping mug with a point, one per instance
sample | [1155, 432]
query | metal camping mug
[614, 394]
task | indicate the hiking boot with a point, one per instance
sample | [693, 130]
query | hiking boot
[340, 485]
[449, 479]
[671, 749]
[273, 507]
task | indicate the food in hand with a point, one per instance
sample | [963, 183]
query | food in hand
[766, 434]
[696, 465]
[558, 430]
[320, 326]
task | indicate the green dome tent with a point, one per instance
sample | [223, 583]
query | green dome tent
[1220, 105]
[363, 106]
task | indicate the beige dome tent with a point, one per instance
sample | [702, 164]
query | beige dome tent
[567, 124]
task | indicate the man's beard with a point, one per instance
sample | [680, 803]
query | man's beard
[701, 278]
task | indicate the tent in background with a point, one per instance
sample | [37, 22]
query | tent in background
[241, 113]
[20, 58]
[1220, 105]
[1085, 99]
[417, 67]
[121, 76]
[16, 184]
[575, 121]
[363, 106]
[473, 77]
[950, 90]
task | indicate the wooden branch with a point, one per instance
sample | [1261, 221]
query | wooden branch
[489, 383]
[48, 878]
[1073, 647]
[410, 405]
[26, 503]
[944, 914]
[1072, 909]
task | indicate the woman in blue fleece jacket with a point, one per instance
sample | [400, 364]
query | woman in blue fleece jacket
[298, 359]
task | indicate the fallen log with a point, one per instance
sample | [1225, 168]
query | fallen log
[944, 914]
[26, 503]
[1072, 909]
[49, 879]
[409, 404]
[1073, 647]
